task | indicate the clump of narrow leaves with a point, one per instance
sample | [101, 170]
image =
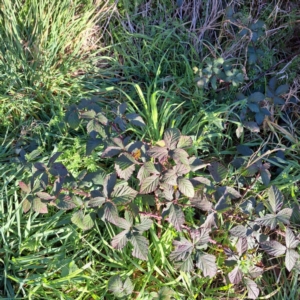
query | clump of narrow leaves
[156, 183]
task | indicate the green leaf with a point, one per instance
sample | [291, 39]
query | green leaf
[125, 166]
[185, 142]
[206, 263]
[120, 290]
[282, 89]
[97, 199]
[26, 205]
[259, 118]
[39, 206]
[82, 221]
[164, 293]
[185, 187]
[101, 118]
[176, 215]
[254, 107]
[149, 184]
[217, 171]
[65, 202]
[253, 291]
[140, 246]
[291, 257]
[72, 117]
[128, 286]
[171, 137]
[275, 199]
[123, 194]
[235, 276]
[111, 151]
[273, 248]
[45, 196]
[256, 97]
[90, 114]
[94, 125]
[92, 144]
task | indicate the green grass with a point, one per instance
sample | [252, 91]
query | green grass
[54, 53]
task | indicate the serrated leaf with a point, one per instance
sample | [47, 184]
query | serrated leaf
[253, 291]
[235, 276]
[140, 246]
[109, 184]
[273, 248]
[290, 239]
[142, 174]
[210, 221]
[101, 118]
[65, 202]
[44, 196]
[73, 119]
[92, 144]
[135, 119]
[223, 204]
[58, 169]
[26, 189]
[200, 201]
[255, 271]
[180, 156]
[170, 177]
[252, 126]
[275, 199]
[207, 264]
[149, 184]
[284, 215]
[120, 240]
[291, 257]
[171, 137]
[161, 153]
[244, 150]
[90, 114]
[167, 191]
[227, 191]
[164, 293]
[82, 221]
[200, 236]
[26, 205]
[109, 212]
[182, 169]
[239, 231]
[256, 97]
[97, 199]
[185, 142]
[94, 125]
[268, 220]
[125, 166]
[111, 151]
[115, 286]
[241, 246]
[250, 171]
[39, 206]
[185, 187]
[176, 215]
[123, 194]
[217, 171]
[144, 225]
[183, 249]
[195, 163]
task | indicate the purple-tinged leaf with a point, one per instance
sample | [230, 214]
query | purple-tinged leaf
[167, 191]
[284, 215]
[252, 126]
[239, 231]
[44, 196]
[171, 138]
[135, 119]
[182, 169]
[196, 163]
[227, 191]
[144, 225]
[186, 266]
[275, 199]
[120, 240]
[123, 194]
[84, 222]
[210, 221]
[223, 204]
[120, 122]
[39, 207]
[268, 220]
[124, 224]
[183, 249]
[253, 291]
[185, 142]
[282, 89]
[125, 166]
[255, 271]
[217, 171]
[111, 151]
[96, 200]
[24, 187]
[185, 187]
[237, 162]
[140, 246]
[109, 212]
[290, 239]
[149, 184]
[97, 178]
[170, 177]
[161, 153]
[65, 202]
[180, 156]
[58, 169]
[207, 264]
[265, 176]
[200, 236]
[101, 118]
[118, 142]
[26, 205]
[53, 158]
[291, 257]
[273, 248]
[235, 276]
[142, 173]
[108, 184]
[40, 166]
[200, 201]
[244, 150]
[251, 170]
[176, 215]
[241, 246]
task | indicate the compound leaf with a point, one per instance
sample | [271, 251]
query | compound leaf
[183, 249]
[185, 142]
[82, 221]
[108, 184]
[149, 184]
[176, 215]
[275, 199]
[273, 248]
[123, 194]
[290, 239]
[120, 240]
[39, 206]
